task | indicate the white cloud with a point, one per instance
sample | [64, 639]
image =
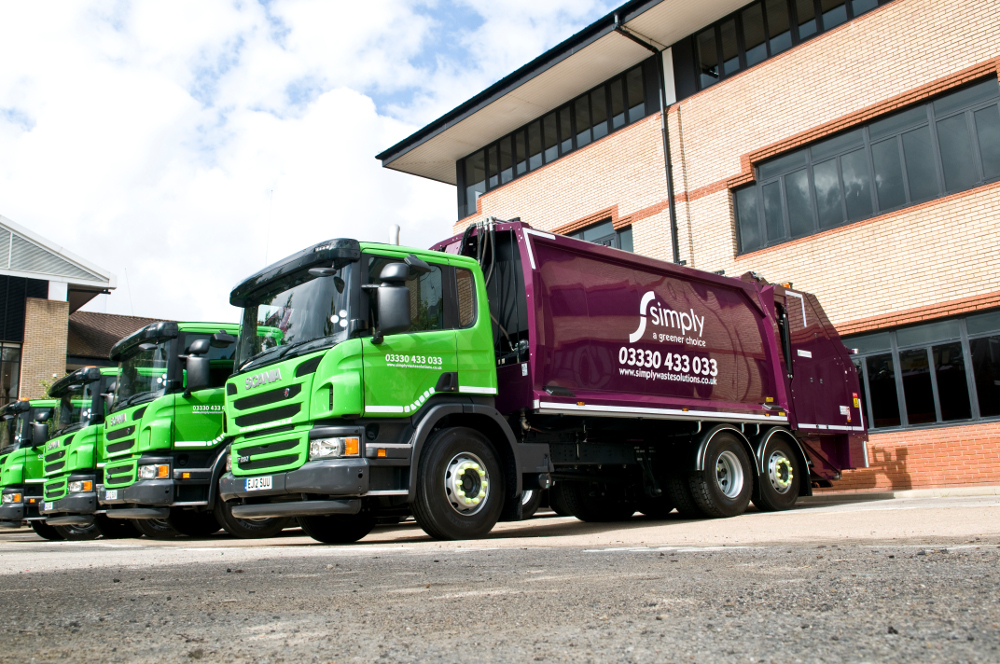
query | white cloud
[183, 142]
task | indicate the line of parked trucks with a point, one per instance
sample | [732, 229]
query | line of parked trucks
[460, 385]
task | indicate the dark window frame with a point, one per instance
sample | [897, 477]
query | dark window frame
[809, 163]
[618, 238]
[649, 81]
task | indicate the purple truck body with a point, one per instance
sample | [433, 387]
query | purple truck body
[612, 334]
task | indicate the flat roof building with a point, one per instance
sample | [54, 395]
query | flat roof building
[851, 147]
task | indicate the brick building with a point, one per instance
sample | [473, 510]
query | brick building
[851, 147]
[41, 286]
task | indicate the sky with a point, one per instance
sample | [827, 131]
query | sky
[184, 145]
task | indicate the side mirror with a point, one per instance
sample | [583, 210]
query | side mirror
[393, 310]
[395, 273]
[221, 340]
[43, 415]
[39, 433]
[417, 265]
[199, 347]
[197, 372]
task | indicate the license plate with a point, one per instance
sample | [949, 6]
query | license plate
[258, 483]
[111, 495]
[47, 506]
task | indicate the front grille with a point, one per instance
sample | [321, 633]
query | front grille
[279, 446]
[124, 446]
[268, 415]
[271, 462]
[54, 467]
[269, 432]
[267, 398]
[55, 489]
[55, 456]
[119, 433]
[116, 477]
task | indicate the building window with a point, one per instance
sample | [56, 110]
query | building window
[604, 234]
[757, 32]
[10, 371]
[932, 374]
[925, 152]
[614, 104]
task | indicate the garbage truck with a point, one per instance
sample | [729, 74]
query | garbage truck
[163, 449]
[444, 383]
[24, 429]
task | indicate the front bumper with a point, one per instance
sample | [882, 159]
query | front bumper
[143, 492]
[12, 512]
[326, 477]
[84, 502]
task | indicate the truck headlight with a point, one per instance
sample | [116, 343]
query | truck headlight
[11, 498]
[332, 448]
[77, 487]
[160, 470]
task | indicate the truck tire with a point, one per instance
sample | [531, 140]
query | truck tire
[557, 504]
[778, 488]
[79, 533]
[723, 488]
[459, 485]
[656, 508]
[597, 502]
[116, 528]
[247, 528]
[530, 500]
[45, 531]
[678, 492]
[338, 528]
[158, 529]
[194, 524]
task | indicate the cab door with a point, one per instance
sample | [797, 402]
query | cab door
[403, 371]
[198, 417]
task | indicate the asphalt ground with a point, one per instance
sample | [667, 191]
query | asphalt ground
[886, 581]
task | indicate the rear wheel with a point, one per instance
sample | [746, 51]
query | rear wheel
[778, 488]
[45, 531]
[596, 501]
[159, 529]
[556, 502]
[724, 486]
[248, 528]
[338, 528]
[530, 500]
[194, 524]
[79, 533]
[459, 485]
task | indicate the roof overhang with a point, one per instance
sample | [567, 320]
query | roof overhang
[40, 258]
[583, 61]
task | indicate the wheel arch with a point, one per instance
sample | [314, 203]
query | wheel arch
[710, 435]
[760, 443]
[218, 468]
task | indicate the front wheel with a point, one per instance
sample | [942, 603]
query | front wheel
[459, 485]
[79, 533]
[248, 528]
[338, 528]
[158, 529]
[778, 487]
[724, 486]
[45, 531]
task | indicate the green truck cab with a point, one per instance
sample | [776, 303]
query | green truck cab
[324, 422]
[24, 430]
[163, 445]
[73, 455]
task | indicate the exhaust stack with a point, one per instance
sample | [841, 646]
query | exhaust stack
[394, 234]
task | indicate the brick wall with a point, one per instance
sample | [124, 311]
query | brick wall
[46, 326]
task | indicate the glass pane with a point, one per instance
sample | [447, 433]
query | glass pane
[921, 173]
[746, 211]
[708, 58]
[828, 199]
[858, 363]
[800, 210]
[491, 166]
[598, 231]
[888, 174]
[565, 130]
[773, 219]
[534, 145]
[925, 334]
[861, 6]
[625, 239]
[834, 13]
[582, 109]
[857, 184]
[426, 301]
[550, 136]
[475, 180]
[522, 154]
[953, 390]
[897, 123]
[805, 11]
[917, 390]
[506, 161]
[617, 104]
[753, 34]
[789, 162]
[986, 370]
[983, 323]
[466, 297]
[988, 89]
[988, 130]
[599, 112]
[837, 144]
[778, 25]
[956, 153]
[730, 48]
[636, 95]
[869, 343]
[882, 388]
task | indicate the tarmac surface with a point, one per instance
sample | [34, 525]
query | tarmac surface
[834, 580]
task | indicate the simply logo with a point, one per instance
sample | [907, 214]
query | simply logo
[115, 420]
[263, 378]
[661, 317]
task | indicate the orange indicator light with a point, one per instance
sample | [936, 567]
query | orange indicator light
[381, 451]
[352, 446]
[185, 476]
[162, 471]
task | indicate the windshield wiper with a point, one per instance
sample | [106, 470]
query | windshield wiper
[257, 356]
[286, 350]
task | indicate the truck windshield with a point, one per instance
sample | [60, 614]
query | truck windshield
[142, 376]
[306, 317]
[76, 407]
